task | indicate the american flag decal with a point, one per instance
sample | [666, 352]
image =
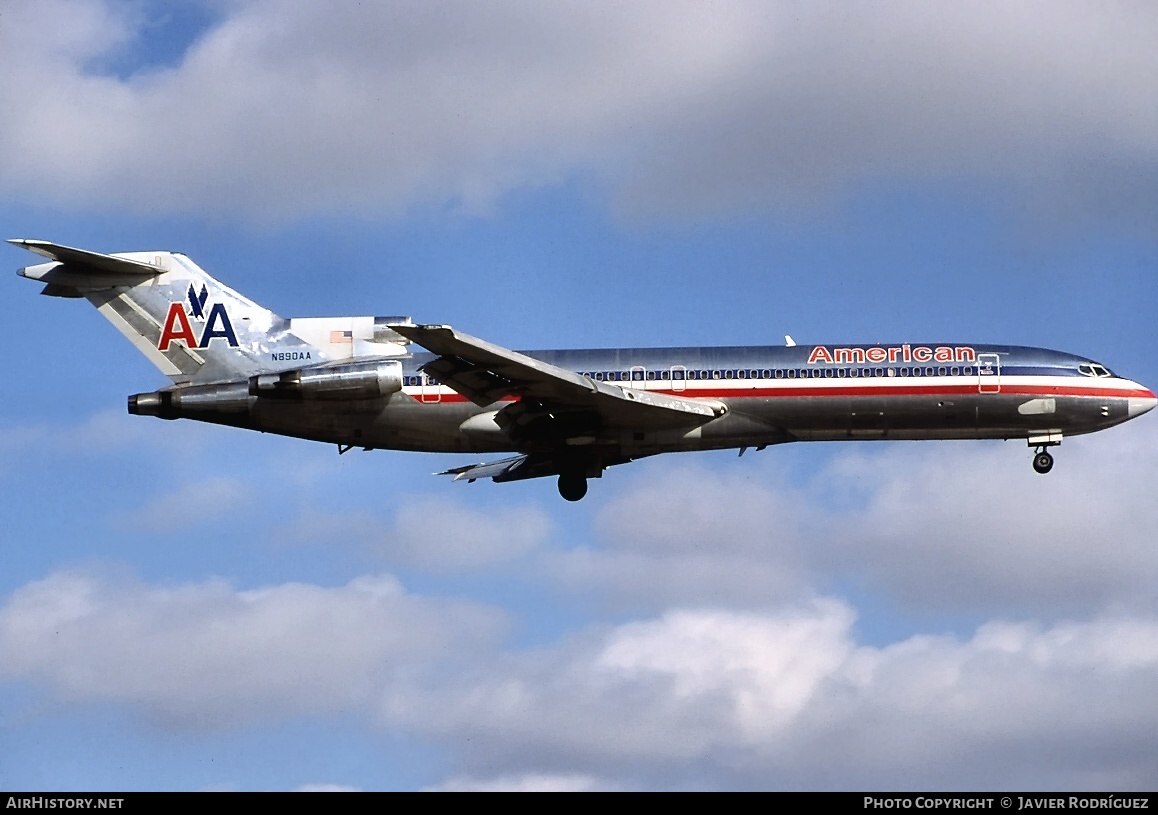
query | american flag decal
[341, 336]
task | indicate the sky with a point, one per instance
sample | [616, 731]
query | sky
[188, 607]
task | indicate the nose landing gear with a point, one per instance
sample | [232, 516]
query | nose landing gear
[1041, 442]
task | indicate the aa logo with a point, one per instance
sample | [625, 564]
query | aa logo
[177, 325]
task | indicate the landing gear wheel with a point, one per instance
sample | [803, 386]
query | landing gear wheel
[1043, 462]
[572, 486]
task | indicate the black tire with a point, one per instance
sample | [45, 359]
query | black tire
[1043, 462]
[572, 486]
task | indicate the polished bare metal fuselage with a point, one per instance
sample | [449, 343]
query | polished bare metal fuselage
[356, 382]
[760, 411]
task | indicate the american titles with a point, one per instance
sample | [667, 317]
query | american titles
[878, 354]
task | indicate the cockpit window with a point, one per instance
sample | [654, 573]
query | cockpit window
[1094, 369]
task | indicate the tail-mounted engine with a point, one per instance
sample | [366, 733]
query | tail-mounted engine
[355, 380]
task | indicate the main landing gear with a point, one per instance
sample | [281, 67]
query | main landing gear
[1042, 461]
[572, 486]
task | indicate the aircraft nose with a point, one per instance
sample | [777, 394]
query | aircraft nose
[1137, 405]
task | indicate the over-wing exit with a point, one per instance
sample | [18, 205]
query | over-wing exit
[359, 382]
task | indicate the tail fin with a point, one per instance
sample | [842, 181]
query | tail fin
[193, 328]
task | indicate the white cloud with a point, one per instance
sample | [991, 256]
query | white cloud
[108, 431]
[521, 783]
[432, 533]
[971, 526]
[283, 109]
[688, 536]
[735, 673]
[193, 503]
[789, 699]
[206, 654]
[938, 527]
[694, 697]
[441, 534]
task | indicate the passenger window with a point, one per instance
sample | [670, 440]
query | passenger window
[904, 371]
[955, 370]
[779, 373]
[942, 370]
[967, 370]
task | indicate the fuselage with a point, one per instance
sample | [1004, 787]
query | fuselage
[773, 395]
[357, 382]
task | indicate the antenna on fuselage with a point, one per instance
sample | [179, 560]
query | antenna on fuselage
[791, 343]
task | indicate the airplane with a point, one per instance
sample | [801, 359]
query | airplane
[359, 382]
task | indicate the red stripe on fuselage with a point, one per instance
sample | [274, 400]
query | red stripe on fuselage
[788, 392]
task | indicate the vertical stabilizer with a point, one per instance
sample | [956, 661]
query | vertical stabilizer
[191, 326]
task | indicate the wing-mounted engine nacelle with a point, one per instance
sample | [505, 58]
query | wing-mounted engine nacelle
[355, 380]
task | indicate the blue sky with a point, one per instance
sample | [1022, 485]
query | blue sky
[191, 607]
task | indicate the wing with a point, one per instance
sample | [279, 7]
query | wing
[486, 373]
[530, 465]
[516, 468]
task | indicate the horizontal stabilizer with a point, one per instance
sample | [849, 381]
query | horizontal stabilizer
[82, 260]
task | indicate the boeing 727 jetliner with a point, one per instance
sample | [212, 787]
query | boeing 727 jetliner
[359, 382]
